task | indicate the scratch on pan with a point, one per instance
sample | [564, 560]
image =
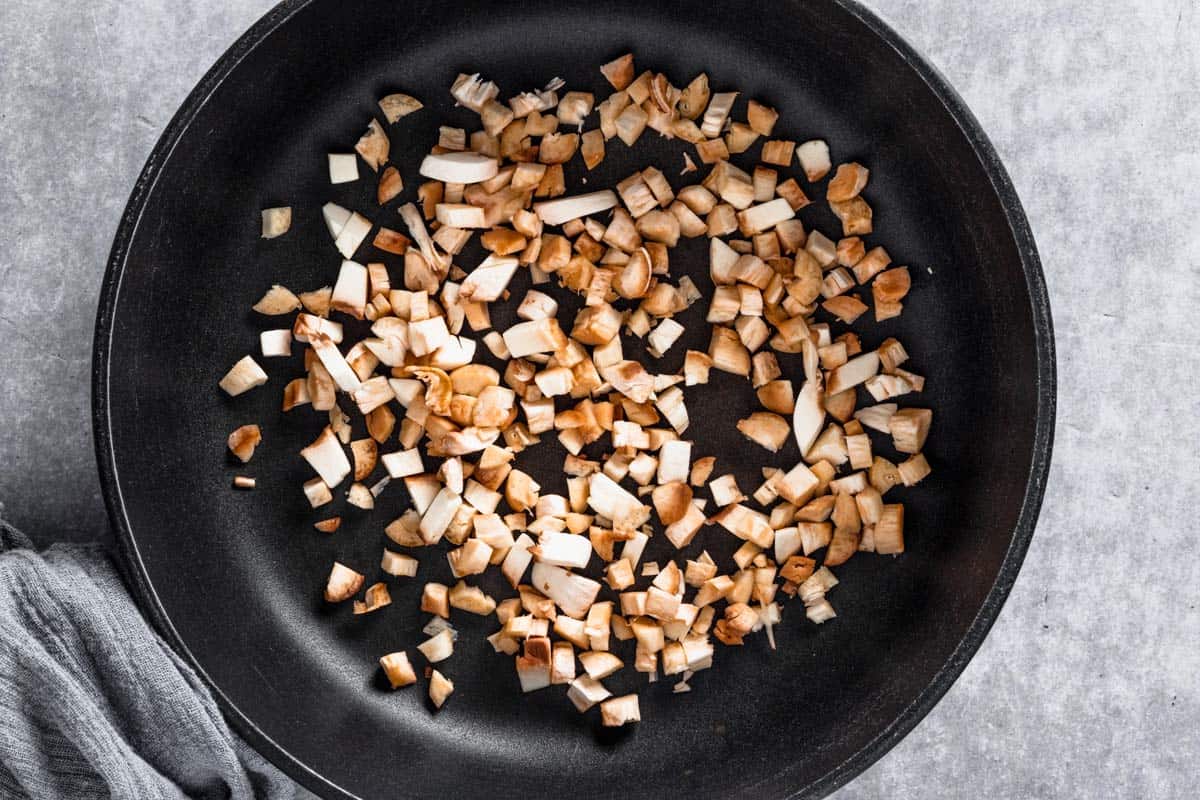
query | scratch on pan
[265, 679]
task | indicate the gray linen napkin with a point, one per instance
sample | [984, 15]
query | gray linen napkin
[93, 704]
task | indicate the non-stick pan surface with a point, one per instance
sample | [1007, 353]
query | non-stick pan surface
[234, 579]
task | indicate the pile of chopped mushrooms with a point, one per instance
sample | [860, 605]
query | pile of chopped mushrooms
[453, 428]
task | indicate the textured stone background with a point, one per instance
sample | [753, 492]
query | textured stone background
[1088, 685]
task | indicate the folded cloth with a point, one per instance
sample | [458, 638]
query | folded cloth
[93, 704]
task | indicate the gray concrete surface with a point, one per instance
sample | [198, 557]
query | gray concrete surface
[1087, 686]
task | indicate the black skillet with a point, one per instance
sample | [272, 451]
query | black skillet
[233, 579]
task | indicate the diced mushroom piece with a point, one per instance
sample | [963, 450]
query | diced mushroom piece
[335, 218]
[671, 501]
[517, 560]
[276, 221]
[488, 281]
[765, 428]
[352, 234]
[317, 492]
[472, 91]
[632, 281]
[398, 670]
[459, 216]
[243, 441]
[470, 559]
[727, 352]
[373, 146]
[439, 515]
[909, 428]
[761, 118]
[350, 290]
[609, 500]
[914, 470]
[403, 463]
[464, 167]
[435, 599]
[659, 226]
[732, 185]
[764, 216]
[343, 167]
[674, 461]
[819, 611]
[326, 457]
[558, 148]
[342, 584]
[574, 594]
[427, 335]
[438, 647]
[556, 212]
[328, 525]
[276, 343]
[596, 325]
[563, 550]
[619, 72]
[778, 152]
[877, 417]
[618, 711]
[796, 485]
[855, 214]
[740, 137]
[855, 371]
[398, 565]
[670, 404]
[746, 524]
[599, 665]
[533, 668]
[471, 599]
[376, 597]
[242, 377]
[440, 688]
[630, 379]
[585, 692]
[717, 112]
[630, 124]
[889, 530]
[891, 286]
[521, 491]
[809, 415]
[395, 106]
[278, 300]
[850, 179]
[333, 361]
[574, 107]
[814, 159]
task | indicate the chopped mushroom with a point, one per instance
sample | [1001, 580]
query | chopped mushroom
[343, 168]
[276, 221]
[277, 300]
[461, 167]
[556, 212]
[242, 377]
[343, 583]
[618, 711]
[814, 159]
[395, 106]
[243, 441]
[440, 688]
[398, 670]
[623, 409]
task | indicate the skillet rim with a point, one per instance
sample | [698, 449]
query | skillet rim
[134, 570]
